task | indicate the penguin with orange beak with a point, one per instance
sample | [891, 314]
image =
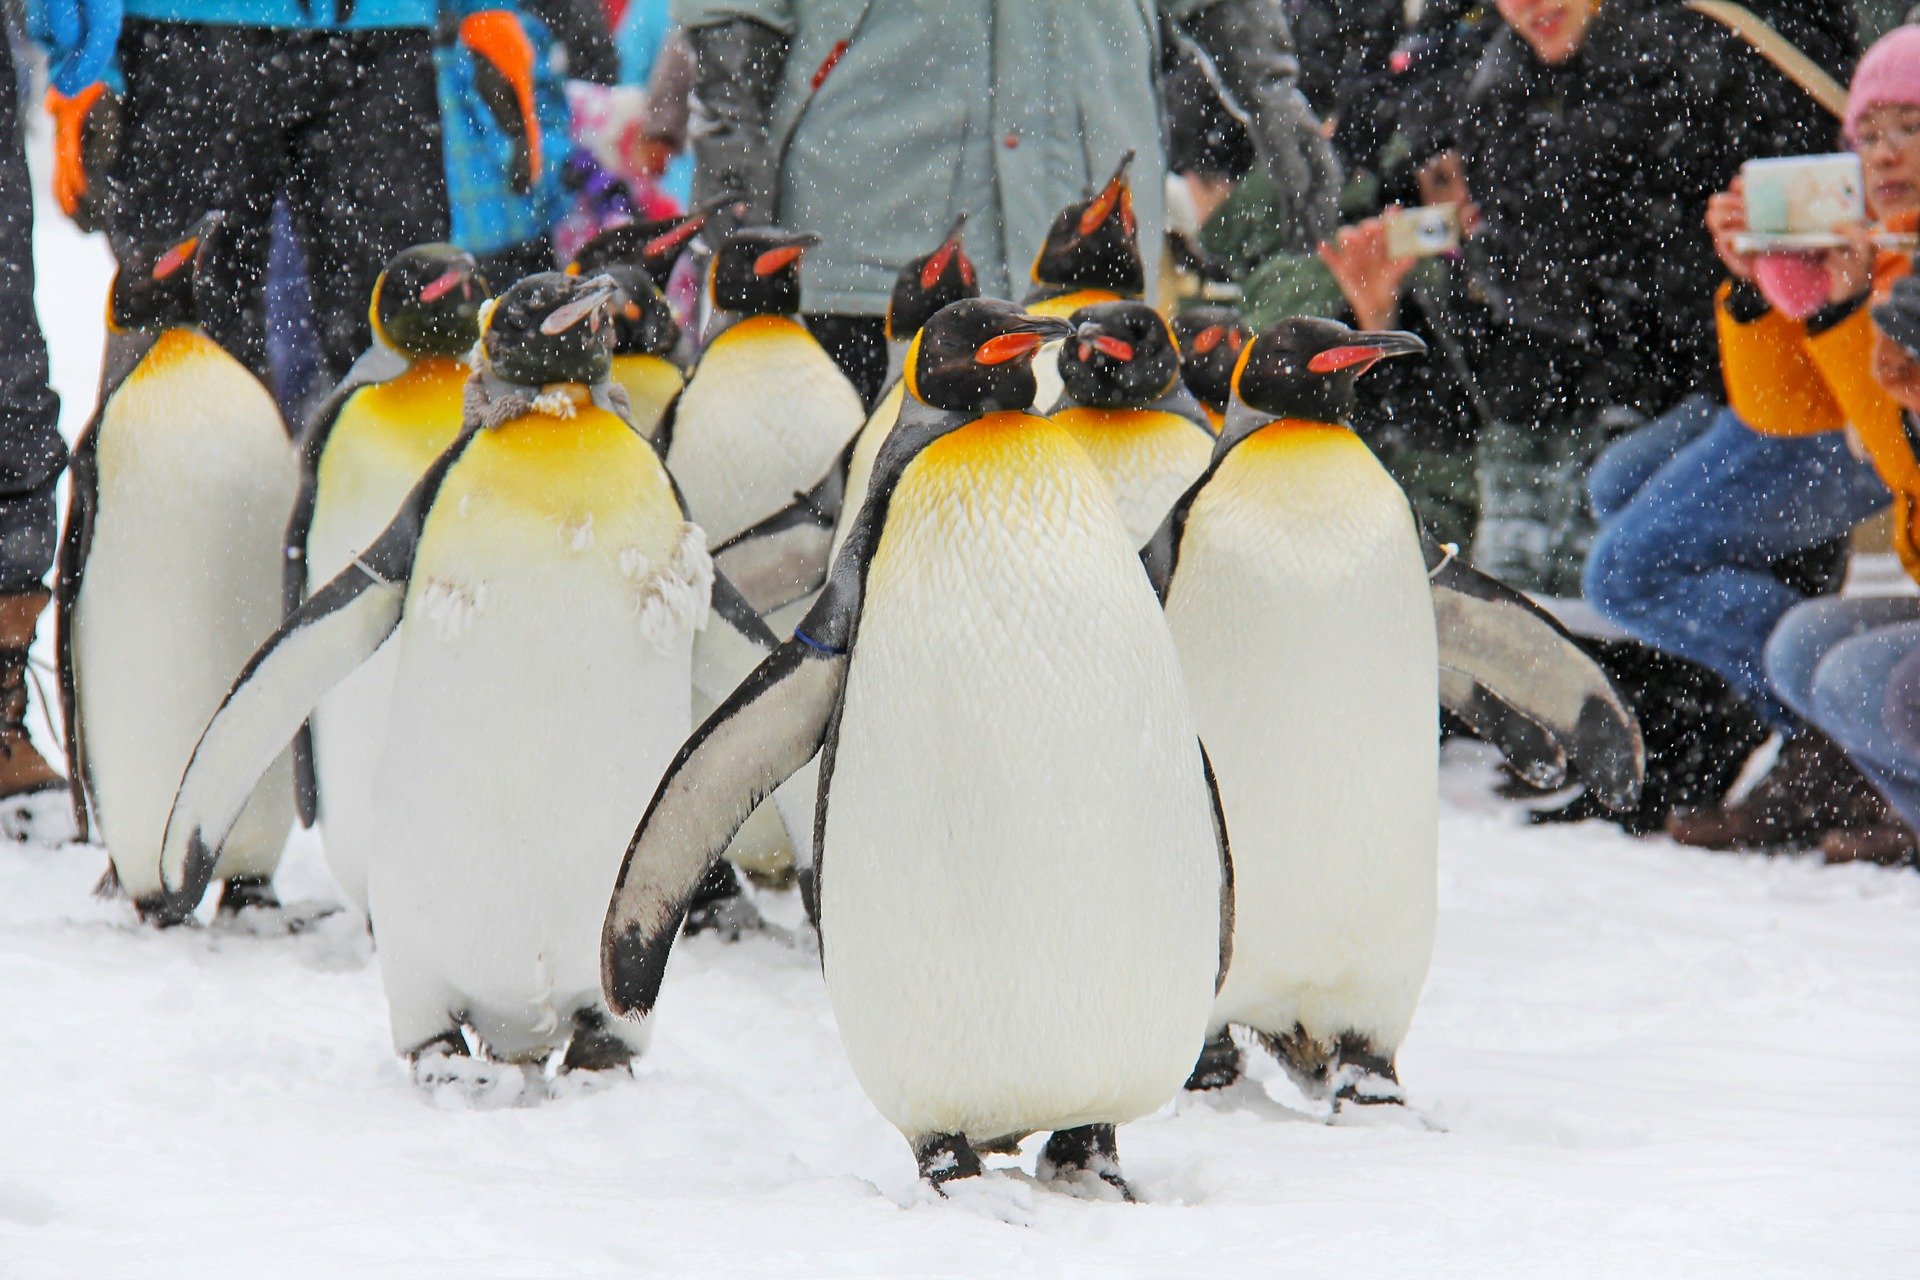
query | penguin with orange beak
[1313, 624]
[1210, 338]
[1091, 254]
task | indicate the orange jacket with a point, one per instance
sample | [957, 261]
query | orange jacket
[1783, 381]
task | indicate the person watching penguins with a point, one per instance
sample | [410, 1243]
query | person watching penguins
[876, 125]
[164, 109]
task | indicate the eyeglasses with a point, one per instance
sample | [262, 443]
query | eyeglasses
[1898, 136]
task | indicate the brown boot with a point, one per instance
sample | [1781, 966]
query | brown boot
[1887, 844]
[33, 795]
[1812, 789]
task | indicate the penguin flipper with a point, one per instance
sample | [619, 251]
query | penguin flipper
[1503, 647]
[786, 556]
[76, 540]
[1527, 747]
[735, 642]
[1227, 907]
[754, 741]
[329, 636]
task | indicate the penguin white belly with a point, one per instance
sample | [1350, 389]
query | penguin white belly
[766, 413]
[541, 688]
[1019, 884]
[1148, 456]
[350, 724]
[1305, 627]
[182, 583]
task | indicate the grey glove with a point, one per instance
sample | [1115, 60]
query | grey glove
[737, 67]
[1249, 45]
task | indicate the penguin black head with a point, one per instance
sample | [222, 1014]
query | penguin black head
[757, 271]
[1305, 367]
[155, 287]
[427, 301]
[548, 328]
[1210, 339]
[929, 283]
[1093, 243]
[1121, 356]
[643, 324]
[652, 244]
[976, 356]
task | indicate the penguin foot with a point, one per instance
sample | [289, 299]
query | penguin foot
[160, 911]
[1084, 1162]
[1007, 1144]
[247, 893]
[1219, 1064]
[108, 887]
[1364, 1076]
[720, 906]
[455, 1080]
[944, 1157]
[595, 1045]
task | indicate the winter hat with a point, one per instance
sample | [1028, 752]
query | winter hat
[1899, 316]
[1888, 76]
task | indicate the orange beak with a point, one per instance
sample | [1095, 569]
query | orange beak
[1115, 195]
[1338, 359]
[1009, 346]
[774, 261]
[671, 239]
[1110, 346]
[441, 286]
[1207, 339]
[175, 258]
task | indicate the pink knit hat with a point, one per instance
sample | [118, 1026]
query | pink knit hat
[1888, 76]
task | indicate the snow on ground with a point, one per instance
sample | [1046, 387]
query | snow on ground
[1632, 1061]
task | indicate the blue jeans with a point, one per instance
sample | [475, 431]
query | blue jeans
[1832, 661]
[1684, 564]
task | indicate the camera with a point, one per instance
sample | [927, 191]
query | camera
[1801, 202]
[1424, 232]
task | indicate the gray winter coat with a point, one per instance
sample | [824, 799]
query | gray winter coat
[893, 116]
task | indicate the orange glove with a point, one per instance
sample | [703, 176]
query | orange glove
[85, 132]
[503, 73]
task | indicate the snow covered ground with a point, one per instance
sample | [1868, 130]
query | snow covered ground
[1632, 1061]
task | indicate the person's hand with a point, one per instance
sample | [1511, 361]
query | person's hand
[1443, 180]
[1727, 219]
[1895, 369]
[1370, 279]
[1850, 267]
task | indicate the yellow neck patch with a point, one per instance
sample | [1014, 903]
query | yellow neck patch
[1067, 303]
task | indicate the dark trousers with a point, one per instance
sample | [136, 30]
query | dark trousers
[344, 124]
[31, 451]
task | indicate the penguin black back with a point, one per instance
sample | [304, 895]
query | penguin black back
[1305, 367]
[158, 285]
[549, 328]
[970, 357]
[1094, 243]
[757, 271]
[427, 301]
[1210, 340]
[929, 283]
[1121, 356]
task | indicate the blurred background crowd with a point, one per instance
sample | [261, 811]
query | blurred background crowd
[1689, 450]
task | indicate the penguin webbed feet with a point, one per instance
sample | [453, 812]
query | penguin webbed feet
[720, 905]
[1218, 1065]
[595, 1045]
[1084, 1162]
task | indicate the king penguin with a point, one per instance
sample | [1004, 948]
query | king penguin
[766, 412]
[799, 543]
[1022, 875]
[1298, 592]
[170, 575]
[1210, 339]
[365, 449]
[1091, 254]
[1123, 400]
[645, 337]
[546, 588]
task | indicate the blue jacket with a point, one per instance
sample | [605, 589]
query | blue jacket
[305, 15]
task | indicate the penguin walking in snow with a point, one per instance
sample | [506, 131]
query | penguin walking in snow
[170, 574]
[766, 412]
[1091, 254]
[1123, 400]
[1299, 594]
[367, 446]
[793, 548]
[1022, 876]
[546, 588]
[1210, 338]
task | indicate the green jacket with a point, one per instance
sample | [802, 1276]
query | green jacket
[1003, 109]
